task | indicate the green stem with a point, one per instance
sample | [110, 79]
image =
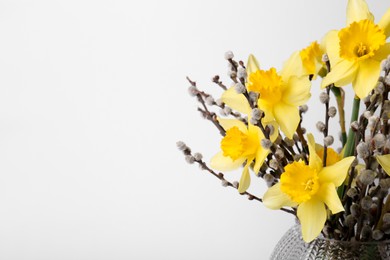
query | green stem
[339, 94]
[350, 145]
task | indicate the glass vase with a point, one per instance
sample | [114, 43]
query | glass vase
[292, 247]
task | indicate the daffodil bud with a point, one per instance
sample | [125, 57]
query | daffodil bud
[332, 111]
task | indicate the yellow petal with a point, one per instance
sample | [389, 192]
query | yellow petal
[274, 198]
[358, 10]
[260, 157]
[366, 78]
[330, 43]
[245, 180]
[337, 172]
[315, 161]
[382, 52]
[287, 117]
[328, 194]
[384, 161]
[312, 216]
[293, 66]
[252, 65]
[236, 101]
[384, 23]
[229, 123]
[225, 163]
[298, 91]
[341, 74]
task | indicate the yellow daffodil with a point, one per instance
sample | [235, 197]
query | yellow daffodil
[279, 95]
[356, 51]
[384, 161]
[240, 145]
[310, 188]
[305, 62]
[332, 156]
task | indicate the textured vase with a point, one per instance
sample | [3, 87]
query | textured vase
[292, 247]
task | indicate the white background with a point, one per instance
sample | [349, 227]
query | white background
[93, 98]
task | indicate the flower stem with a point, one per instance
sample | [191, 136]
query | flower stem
[350, 145]
[339, 94]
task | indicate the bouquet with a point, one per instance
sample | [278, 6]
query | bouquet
[341, 192]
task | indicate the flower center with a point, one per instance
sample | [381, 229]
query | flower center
[268, 84]
[233, 144]
[360, 40]
[299, 181]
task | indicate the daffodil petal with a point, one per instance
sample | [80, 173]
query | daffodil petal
[328, 194]
[341, 74]
[315, 161]
[332, 46]
[366, 78]
[287, 117]
[229, 123]
[252, 65]
[293, 66]
[312, 216]
[337, 172]
[261, 154]
[384, 23]
[236, 101]
[298, 91]
[358, 10]
[382, 52]
[274, 198]
[384, 161]
[225, 163]
[245, 179]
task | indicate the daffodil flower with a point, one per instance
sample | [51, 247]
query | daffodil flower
[332, 156]
[240, 145]
[280, 95]
[384, 161]
[305, 62]
[310, 188]
[356, 51]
